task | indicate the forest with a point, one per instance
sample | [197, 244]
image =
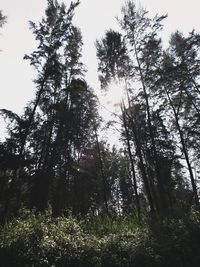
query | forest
[69, 198]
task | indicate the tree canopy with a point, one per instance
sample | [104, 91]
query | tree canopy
[70, 197]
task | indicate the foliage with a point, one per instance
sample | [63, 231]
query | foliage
[2, 19]
[45, 241]
[134, 205]
[42, 240]
[160, 116]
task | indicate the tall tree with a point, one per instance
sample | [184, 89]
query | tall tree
[179, 83]
[137, 57]
[59, 122]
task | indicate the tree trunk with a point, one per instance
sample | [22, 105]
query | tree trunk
[132, 163]
[102, 171]
[161, 190]
[184, 148]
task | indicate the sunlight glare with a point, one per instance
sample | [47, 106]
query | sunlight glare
[115, 93]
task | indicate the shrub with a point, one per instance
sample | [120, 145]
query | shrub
[41, 240]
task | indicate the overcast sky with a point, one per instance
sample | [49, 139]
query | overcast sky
[92, 16]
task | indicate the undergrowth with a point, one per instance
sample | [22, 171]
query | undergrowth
[42, 240]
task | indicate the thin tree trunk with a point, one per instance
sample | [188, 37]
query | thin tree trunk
[163, 204]
[141, 161]
[184, 148]
[102, 171]
[132, 163]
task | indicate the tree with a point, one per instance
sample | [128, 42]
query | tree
[140, 34]
[67, 106]
[59, 122]
[179, 82]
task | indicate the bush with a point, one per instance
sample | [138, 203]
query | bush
[41, 240]
[45, 241]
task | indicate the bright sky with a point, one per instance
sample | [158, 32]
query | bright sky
[92, 16]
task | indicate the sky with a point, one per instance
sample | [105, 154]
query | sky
[93, 17]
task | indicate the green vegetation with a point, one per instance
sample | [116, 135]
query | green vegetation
[133, 206]
[42, 240]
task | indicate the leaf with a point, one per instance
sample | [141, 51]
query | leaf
[8, 114]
